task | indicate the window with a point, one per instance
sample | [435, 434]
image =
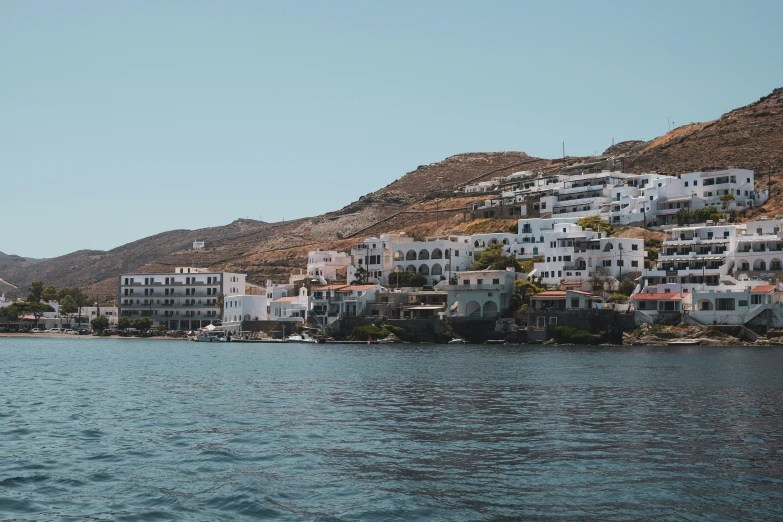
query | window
[466, 281]
[552, 321]
[479, 281]
[574, 302]
[724, 304]
[634, 264]
[686, 183]
[634, 247]
[496, 281]
[744, 302]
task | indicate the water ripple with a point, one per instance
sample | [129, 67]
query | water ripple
[113, 430]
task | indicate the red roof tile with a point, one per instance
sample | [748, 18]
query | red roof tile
[763, 288]
[550, 294]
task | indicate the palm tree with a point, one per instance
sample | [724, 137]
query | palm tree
[220, 298]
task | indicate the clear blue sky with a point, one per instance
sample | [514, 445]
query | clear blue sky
[119, 120]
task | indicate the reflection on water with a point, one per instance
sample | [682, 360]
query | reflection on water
[172, 430]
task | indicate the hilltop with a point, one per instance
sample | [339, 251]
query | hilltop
[424, 201]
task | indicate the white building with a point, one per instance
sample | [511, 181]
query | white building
[198, 245]
[733, 305]
[92, 312]
[573, 254]
[375, 254]
[479, 294]
[183, 300]
[238, 308]
[292, 308]
[436, 260]
[327, 263]
[332, 302]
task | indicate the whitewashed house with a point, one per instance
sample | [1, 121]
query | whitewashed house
[326, 263]
[435, 260]
[479, 294]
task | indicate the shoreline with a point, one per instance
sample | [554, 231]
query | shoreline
[663, 342]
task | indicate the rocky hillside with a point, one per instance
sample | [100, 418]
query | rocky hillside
[422, 202]
[750, 137]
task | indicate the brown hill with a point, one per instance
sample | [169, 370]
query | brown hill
[422, 202]
[750, 137]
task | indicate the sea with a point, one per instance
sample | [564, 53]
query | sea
[137, 429]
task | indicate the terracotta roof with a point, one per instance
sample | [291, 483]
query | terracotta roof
[763, 288]
[657, 297]
[285, 300]
[357, 287]
[550, 294]
[327, 287]
[585, 293]
[571, 283]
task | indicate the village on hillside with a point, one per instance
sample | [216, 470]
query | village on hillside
[561, 273]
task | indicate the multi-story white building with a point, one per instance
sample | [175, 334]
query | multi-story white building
[183, 300]
[479, 294]
[573, 254]
[332, 302]
[436, 260]
[327, 263]
[375, 255]
[715, 254]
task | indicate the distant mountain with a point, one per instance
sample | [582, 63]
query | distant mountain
[421, 202]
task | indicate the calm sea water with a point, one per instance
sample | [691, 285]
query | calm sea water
[155, 430]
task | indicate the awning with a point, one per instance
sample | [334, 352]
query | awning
[429, 307]
[454, 306]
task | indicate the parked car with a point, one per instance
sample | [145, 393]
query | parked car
[54, 330]
[37, 330]
[84, 331]
[3, 329]
[70, 331]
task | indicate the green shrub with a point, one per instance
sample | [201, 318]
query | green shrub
[567, 334]
[362, 333]
[617, 298]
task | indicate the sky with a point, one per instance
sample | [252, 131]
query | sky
[120, 120]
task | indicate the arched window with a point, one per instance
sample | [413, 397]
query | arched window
[424, 254]
[411, 255]
[424, 270]
[436, 270]
[437, 254]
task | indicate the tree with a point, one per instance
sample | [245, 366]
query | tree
[99, 324]
[412, 279]
[36, 291]
[220, 301]
[726, 200]
[12, 311]
[361, 276]
[598, 280]
[49, 293]
[683, 217]
[627, 286]
[523, 291]
[123, 322]
[80, 299]
[37, 310]
[595, 223]
[492, 258]
[142, 324]
[617, 298]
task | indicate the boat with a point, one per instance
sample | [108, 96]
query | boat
[304, 337]
[210, 336]
[684, 342]
[457, 340]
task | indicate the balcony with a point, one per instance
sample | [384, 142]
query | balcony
[464, 288]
